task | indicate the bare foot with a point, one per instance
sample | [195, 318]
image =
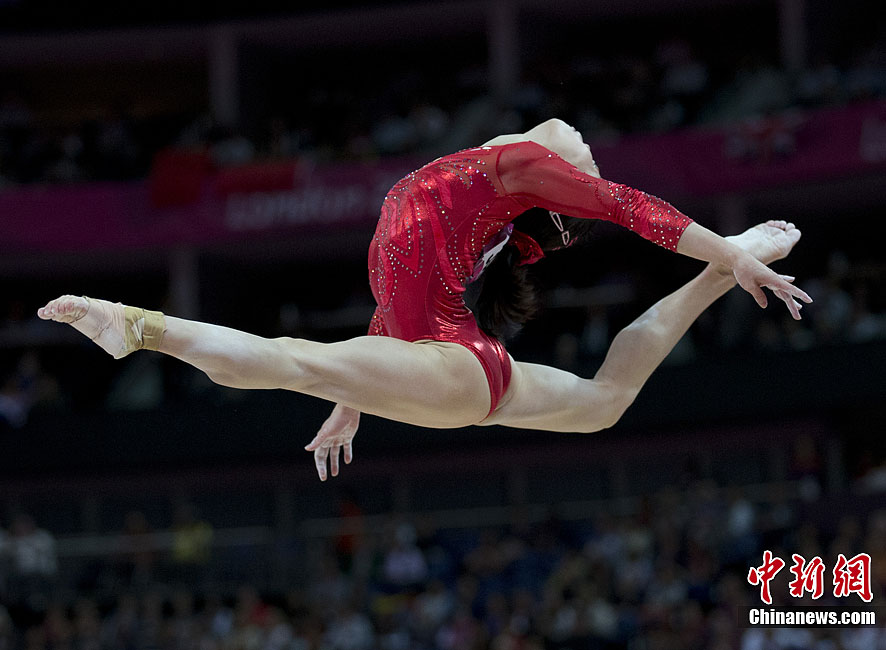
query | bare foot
[768, 241]
[99, 320]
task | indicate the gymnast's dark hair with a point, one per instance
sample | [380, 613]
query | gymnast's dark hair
[505, 297]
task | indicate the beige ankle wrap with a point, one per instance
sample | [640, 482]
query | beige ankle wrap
[153, 327]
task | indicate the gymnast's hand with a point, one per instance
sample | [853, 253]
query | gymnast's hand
[753, 276]
[337, 432]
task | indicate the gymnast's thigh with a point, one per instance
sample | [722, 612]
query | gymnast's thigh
[549, 399]
[428, 383]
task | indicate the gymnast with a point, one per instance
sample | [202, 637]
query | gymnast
[489, 210]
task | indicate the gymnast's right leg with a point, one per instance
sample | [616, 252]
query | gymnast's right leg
[431, 384]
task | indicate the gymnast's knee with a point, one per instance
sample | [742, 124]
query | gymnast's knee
[302, 363]
[265, 364]
[617, 401]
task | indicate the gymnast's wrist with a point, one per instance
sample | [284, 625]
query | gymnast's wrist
[734, 257]
[740, 258]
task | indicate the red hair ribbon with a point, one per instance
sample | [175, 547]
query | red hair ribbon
[530, 251]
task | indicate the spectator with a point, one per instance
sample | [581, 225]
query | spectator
[350, 630]
[865, 325]
[120, 629]
[57, 629]
[866, 77]
[14, 405]
[136, 555]
[87, 625]
[352, 536]
[330, 588]
[758, 89]
[150, 631]
[229, 148]
[461, 631]
[7, 630]
[117, 150]
[832, 310]
[191, 545]
[34, 563]
[182, 630]
[431, 608]
[404, 565]
[217, 620]
[684, 83]
[820, 84]
[25, 387]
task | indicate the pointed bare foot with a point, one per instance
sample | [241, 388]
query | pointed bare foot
[99, 320]
[768, 241]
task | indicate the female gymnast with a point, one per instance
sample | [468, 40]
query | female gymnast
[426, 361]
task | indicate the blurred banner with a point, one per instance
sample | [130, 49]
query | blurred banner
[790, 148]
[186, 201]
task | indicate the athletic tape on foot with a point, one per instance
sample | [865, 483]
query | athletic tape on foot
[152, 328]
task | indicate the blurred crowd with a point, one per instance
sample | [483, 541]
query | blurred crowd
[849, 309]
[670, 574]
[398, 109]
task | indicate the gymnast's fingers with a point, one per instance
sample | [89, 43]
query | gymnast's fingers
[793, 306]
[320, 455]
[758, 295]
[782, 284]
[333, 459]
[349, 452]
[797, 292]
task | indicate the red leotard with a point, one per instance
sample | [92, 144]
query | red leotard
[436, 221]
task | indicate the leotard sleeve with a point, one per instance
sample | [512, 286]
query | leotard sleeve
[538, 178]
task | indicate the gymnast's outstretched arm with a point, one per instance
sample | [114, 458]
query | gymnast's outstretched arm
[537, 176]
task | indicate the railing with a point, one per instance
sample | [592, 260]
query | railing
[457, 518]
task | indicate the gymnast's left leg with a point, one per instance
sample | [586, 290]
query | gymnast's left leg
[545, 398]
[431, 384]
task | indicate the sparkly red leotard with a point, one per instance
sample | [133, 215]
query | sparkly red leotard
[436, 221]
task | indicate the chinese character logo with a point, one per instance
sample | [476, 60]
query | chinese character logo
[853, 577]
[807, 577]
[764, 573]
